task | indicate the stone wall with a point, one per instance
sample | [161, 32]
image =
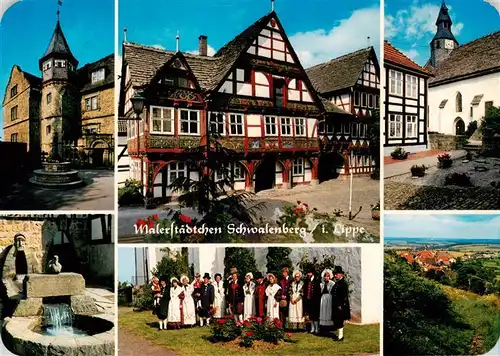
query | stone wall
[444, 142]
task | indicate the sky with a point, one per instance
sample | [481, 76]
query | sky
[88, 26]
[126, 264]
[410, 25]
[442, 226]
[317, 30]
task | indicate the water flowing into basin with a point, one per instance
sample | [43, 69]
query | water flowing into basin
[58, 321]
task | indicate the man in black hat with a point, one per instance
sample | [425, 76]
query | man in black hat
[341, 309]
[164, 299]
[260, 295]
[206, 299]
[312, 298]
[235, 295]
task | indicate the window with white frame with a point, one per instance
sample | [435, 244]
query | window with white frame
[217, 123]
[300, 126]
[189, 122]
[355, 130]
[286, 126]
[298, 167]
[411, 86]
[363, 100]
[395, 125]
[370, 100]
[60, 63]
[411, 126]
[98, 75]
[395, 82]
[236, 124]
[356, 98]
[362, 130]
[238, 172]
[347, 128]
[162, 120]
[176, 170]
[92, 103]
[47, 65]
[270, 125]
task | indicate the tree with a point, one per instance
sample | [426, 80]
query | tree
[241, 258]
[419, 318]
[173, 264]
[490, 125]
[210, 194]
[278, 258]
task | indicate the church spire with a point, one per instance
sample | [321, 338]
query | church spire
[58, 47]
[444, 41]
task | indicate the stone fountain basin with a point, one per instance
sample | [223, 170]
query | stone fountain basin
[56, 166]
[23, 337]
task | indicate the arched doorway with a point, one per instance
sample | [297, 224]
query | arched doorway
[99, 154]
[265, 174]
[459, 126]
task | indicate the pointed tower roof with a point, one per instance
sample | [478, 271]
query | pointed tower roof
[443, 23]
[58, 47]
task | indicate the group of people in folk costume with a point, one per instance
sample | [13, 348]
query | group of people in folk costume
[295, 300]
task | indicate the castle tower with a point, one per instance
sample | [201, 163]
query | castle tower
[59, 102]
[444, 41]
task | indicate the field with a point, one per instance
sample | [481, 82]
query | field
[476, 248]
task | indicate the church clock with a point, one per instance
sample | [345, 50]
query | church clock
[448, 44]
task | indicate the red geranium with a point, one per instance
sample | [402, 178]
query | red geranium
[141, 222]
[239, 323]
[185, 219]
[249, 333]
[289, 335]
[246, 323]
[277, 322]
[151, 224]
[155, 217]
[259, 320]
[221, 321]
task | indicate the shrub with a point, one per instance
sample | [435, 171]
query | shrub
[277, 258]
[459, 179]
[375, 175]
[143, 298]
[417, 171]
[130, 193]
[241, 258]
[295, 215]
[490, 125]
[471, 128]
[256, 328]
[399, 153]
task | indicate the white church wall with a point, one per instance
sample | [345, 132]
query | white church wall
[443, 120]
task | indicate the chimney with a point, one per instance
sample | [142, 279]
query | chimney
[203, 48]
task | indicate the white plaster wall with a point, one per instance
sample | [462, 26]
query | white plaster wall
[239, 185]
[123, 163]
[308, 172]
[254, 132]
[443, 120]
[227, 87]
[253, 119]
[244, 89]
[279, 173]
[372, 281]
[310, 127]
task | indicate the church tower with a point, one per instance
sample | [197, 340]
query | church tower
[443, 42]
[59, 102]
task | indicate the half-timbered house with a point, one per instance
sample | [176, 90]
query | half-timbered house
[352, 83]
[405, 102]
[253, 93]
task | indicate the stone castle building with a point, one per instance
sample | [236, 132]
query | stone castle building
[67, 113]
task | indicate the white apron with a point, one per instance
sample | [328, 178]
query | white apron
[248, 303]
[174, 311]
[295, 311]
[273, 308]
[188, 306]
[219, 299]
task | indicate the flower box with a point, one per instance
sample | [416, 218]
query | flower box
[417, 171]
[444, 160]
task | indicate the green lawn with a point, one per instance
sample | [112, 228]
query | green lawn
[358, 339]
[482, 313]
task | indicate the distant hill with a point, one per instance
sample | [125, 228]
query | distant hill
[439, 241]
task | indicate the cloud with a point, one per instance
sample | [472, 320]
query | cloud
[158, 46]
[416, 22]
[210, 51]
[412, 54]
[442, 226]
[495, 4]
[321, 45]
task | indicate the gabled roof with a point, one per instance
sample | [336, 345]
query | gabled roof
[478, 56]
[395, 57]
[339, 73]
[58, 47]
[33, 80]
[144, 62]
[179, 56]
[85, 73]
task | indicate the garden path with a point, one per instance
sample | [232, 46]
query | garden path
[131, 345]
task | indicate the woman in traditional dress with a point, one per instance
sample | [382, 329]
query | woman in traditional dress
[273, 298]
[174, 307]
[220, 299]
[325, 307]
[249, 302]
[162, 309]
[188, 309]
[295, 310]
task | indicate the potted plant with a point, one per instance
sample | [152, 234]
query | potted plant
[376, 211]
[417, 171]
[444, 160]
[399, 153]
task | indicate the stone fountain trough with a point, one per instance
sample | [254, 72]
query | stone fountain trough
[54, 317]
[56, 175]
